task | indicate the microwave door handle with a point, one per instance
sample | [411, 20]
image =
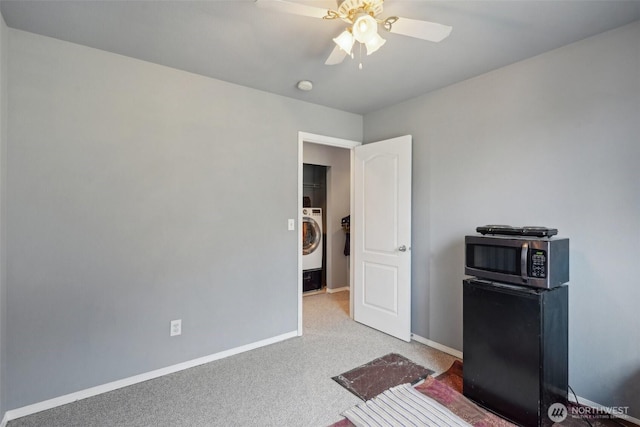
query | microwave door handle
[524, 256]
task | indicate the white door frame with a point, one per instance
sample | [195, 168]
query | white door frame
[333, 142]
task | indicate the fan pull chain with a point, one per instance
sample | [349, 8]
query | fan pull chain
[360, 54]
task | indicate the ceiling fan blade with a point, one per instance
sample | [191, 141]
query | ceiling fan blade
[292, 8]
[337, 56]
[424, 30]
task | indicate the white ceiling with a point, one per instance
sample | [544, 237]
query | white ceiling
[235, 41]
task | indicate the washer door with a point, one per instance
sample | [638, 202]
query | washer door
[311, 235]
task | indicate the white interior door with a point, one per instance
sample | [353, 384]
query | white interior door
[381, 223]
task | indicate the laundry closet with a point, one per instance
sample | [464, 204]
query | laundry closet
[314, 208]
[326, 202]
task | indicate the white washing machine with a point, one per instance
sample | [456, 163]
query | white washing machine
[312, 238]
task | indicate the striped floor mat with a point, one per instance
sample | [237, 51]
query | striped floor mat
[403, 406]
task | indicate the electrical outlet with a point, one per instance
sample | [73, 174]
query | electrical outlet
[292, 224]
[176, 327]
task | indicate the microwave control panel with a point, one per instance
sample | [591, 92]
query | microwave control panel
[538, 264]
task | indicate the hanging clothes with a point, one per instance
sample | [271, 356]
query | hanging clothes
[346, 225]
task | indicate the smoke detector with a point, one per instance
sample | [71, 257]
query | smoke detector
[305, 85]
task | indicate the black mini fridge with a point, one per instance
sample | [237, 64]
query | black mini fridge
[515, 348]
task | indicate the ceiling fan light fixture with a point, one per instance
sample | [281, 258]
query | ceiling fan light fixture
[365, 27]
[345, 41]
[374, 43]
[362, 18]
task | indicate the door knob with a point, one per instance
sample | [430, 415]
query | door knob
[402, 248]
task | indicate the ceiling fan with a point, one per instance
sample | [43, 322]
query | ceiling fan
[363, 18]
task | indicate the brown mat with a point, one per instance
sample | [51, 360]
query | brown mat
[455, 402]
[388, 371]
[463, 407]
[453, 376]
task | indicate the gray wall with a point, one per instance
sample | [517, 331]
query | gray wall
[338, 206]
[130, 188]
[3, 150]
[138, 194]
[552, 140]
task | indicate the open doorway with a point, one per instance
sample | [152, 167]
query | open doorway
[316, 178]
[334, 157]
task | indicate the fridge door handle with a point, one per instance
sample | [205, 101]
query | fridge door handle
[524, 256]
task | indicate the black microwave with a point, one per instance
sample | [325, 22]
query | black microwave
[527, 261]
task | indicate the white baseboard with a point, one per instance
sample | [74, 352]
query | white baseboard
[437, 346]
[587, 402]
[94, 391]
[335, 290]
